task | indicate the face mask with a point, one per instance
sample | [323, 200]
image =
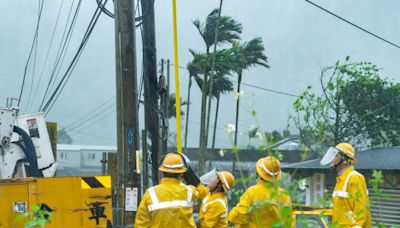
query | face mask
[329, 156]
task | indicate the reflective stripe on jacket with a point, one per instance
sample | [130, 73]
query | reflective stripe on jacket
[168, 204]
[350, 200]
[213, 211]
[261, 206]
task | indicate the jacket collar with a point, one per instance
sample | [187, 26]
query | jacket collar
[216, 195]
[345, 172]
[169, 180]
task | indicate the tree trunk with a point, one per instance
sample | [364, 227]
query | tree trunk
[214, 134]
[187, 112]
[237, 115]
[237, 107]
[203, 140]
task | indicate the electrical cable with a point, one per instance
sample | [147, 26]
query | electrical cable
[257, 87]
[63, 46]
[270, 90]
[348, 22]
[30, 54]
[104, 9]
[48, 51]
[72, 65]
[62, 60]
[92, 113]
[93, 121]
[34, 60]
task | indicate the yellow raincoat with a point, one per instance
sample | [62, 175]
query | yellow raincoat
[350, 201]
[262, 206]
[169, 204]
[214, 210]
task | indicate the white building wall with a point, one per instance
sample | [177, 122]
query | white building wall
[91, 158]
[68, 158]
[81, 160]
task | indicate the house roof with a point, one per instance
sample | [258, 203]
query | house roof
[373, 159]
[245, 155]
[71, 147]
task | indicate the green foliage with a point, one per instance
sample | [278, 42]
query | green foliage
[229, 29]
[356, 105]
[376, 182]
[37, 218]
[172, 106]
[63, 137]
[235, 195]
[248, 54]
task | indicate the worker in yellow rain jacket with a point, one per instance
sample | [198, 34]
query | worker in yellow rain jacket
[350, 196]
[264, 204]
[214, 208]
[170, 204]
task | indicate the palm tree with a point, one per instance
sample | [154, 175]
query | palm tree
[228, 32]
[172, 106]
[247, 55]
[195, 68]
[229, 29]
[222, 85]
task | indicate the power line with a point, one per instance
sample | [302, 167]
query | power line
[341, 18]
[92, 113]
[270, 90]
[257, 87]
[72, 65]
[104, 9]
[63, 46]
[93, 121]
[30, 53]
[34, 58]
[48, 51]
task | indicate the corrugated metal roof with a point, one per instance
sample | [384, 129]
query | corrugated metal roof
[379, 159]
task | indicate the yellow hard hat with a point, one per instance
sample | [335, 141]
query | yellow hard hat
[348, 150]
[269, 168]
[227, 180]
[172, 163]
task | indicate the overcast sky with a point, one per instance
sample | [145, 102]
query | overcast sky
[299, 40]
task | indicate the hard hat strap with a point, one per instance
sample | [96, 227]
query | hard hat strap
[225, 181]
[267, 170]
[346, 151]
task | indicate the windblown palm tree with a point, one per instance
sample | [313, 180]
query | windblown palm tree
[247, 55]
[172, 106]
[222, 85]
[229, 29]
[228, 32]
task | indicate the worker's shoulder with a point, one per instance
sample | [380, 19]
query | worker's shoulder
[355, 176]
[170, 186]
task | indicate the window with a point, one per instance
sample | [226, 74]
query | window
[63, 155]
[91, 156]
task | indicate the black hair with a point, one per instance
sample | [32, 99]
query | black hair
[345, 157]
[172, 175]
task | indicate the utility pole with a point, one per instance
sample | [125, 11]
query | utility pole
[166, 105]
[127, 114]
[151, 110]
[164, 95]
[162, 85]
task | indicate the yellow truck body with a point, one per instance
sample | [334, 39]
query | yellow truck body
[73, 201]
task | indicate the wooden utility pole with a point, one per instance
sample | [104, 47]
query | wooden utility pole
[162, 84]
[128, 186]
[151, 110]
